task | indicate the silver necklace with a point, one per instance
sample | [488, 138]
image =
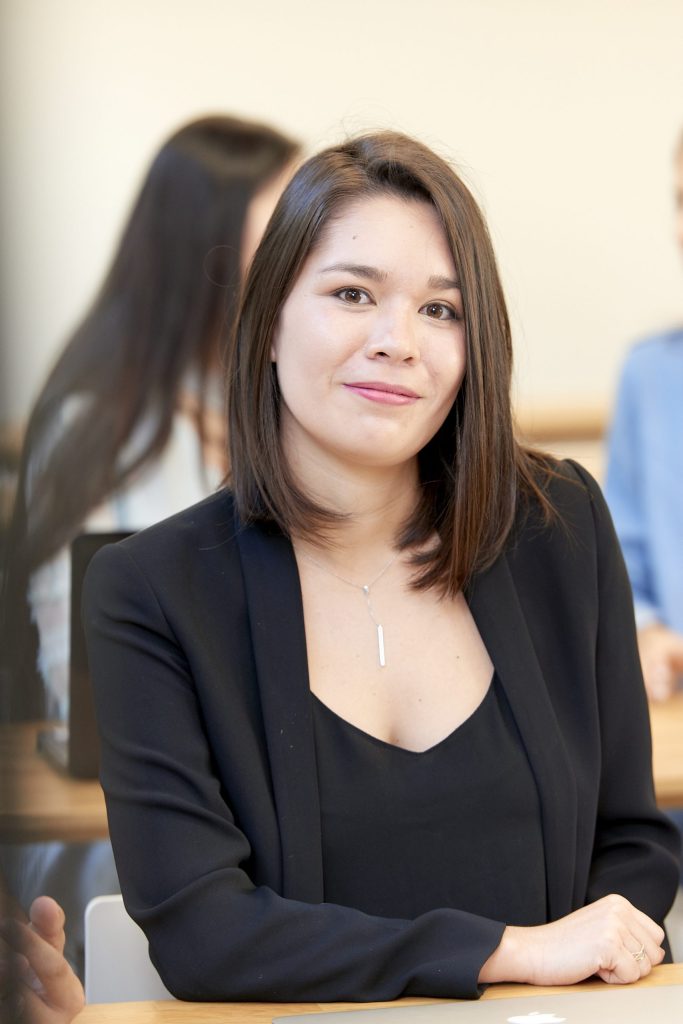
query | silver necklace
[366, 588]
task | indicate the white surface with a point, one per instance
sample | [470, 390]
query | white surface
[117, 964]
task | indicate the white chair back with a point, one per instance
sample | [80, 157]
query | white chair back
[117, 964]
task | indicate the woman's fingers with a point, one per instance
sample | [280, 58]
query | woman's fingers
[51, 991]
[650, 951]
[633, 961]
[644, 944]
[44, 959]
[47, 918]
[633, 947]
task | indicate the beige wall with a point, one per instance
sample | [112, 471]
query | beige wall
[563, 114]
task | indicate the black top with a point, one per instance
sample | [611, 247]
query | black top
[404, 832]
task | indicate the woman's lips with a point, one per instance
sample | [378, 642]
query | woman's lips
[385, 394]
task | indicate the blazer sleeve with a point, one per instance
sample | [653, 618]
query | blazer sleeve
[183, 861]
[636, 848]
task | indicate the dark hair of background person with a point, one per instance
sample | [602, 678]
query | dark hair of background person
[166, 306]
[473, 470]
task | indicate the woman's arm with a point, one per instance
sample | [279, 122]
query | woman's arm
[636, 849]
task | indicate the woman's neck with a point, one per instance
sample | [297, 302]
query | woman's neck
[376, 501]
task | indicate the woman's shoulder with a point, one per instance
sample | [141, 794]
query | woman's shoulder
[176, 548]
[568, 503]
[571, 481]
[212, 518]
[562, 481]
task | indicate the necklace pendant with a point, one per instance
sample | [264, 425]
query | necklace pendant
[380, 646]
[366, 590]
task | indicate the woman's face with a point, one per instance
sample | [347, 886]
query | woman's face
[370, 344]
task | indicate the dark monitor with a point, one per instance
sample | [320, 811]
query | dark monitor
[74, 746]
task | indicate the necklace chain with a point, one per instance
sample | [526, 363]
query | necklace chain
[365, 588]
[358, 586]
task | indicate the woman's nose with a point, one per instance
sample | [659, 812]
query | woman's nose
[394, 336]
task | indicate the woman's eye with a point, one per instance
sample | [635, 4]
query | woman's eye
[355, 296]
[439, 311]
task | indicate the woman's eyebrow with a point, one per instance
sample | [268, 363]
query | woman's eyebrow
[358, 269]
[443, 282]
[363, 270]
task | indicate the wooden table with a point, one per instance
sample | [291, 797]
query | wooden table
[175, 1012]
[38, 802]
[667, 749]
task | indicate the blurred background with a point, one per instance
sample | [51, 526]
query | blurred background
[562, 115]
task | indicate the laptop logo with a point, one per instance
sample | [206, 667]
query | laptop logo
[536, 1017]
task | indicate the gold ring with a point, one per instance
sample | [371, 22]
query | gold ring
[640, 955]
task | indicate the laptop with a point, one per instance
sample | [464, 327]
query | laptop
[623, 1005]
[74, 746]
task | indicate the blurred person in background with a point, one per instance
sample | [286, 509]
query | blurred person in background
[644, 489]
[130, 426]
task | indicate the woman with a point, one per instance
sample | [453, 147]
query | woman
[373, 724]
[130, 425]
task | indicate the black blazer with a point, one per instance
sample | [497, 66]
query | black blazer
[198, 656]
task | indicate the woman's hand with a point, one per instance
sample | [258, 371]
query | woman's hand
[661, 658]
[609, 938]
[46, 989]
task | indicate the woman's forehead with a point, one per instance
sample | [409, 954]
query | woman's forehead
[372, 224]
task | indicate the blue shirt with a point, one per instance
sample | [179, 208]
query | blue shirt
[644, 486]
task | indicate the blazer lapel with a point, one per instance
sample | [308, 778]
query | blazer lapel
[499, 616]
[279, 644]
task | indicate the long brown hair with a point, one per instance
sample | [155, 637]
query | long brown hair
[166, 306]
[473, 470]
